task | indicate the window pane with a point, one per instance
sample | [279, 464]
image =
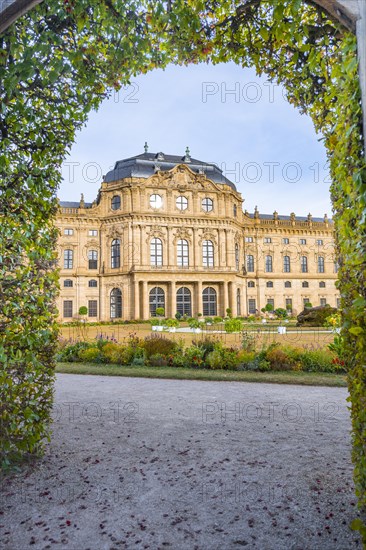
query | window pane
[207, 254]
[182, 203]
[252, 306]
[156, 252]
[67, 308]
[182, 253]
[116, 202]
[156, 299]
[156, 201]
[207, 204]
[68, 259]
[304, 264]
[116, 303]
[250, 263]
[286, 264]
[92, 308]
[115, 253]
[184, 306]
[268, 265]
[209, 302]
[68, 283]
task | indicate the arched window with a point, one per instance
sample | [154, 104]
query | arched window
[182, 253]
[116, 202]
[68, 259]
[320, 264]
[286, 264]
[156, 252]
[288, 284]
[116, 303]
[269, 284]
[209, 301]
[250, 263]
[269, 264]
[156, 299]
[116, 253]
[93, 259]
[238, 302]
[93, 283]
[68, 283]
[305, 284]
[208, 254]
[237, 257]
[251, 284]
[322, 284]
[304, 264]
[184, 301]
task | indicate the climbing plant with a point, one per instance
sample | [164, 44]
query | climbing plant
[60, 61]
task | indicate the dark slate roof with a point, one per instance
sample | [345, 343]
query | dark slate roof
[280, 217]
[146, 164]
[70, 204]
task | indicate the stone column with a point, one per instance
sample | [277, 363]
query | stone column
[232, 299]
[144, 301]
[199, 307]
[171, 300]
[136, 303]
[224, 298]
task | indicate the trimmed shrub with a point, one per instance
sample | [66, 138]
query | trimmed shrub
[158, 344]
[233, 325]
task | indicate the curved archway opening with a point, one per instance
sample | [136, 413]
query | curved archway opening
[59, 62]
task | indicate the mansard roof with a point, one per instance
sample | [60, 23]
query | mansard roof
[147, 164]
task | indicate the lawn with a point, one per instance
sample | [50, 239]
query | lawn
[265, 334]
[300, 378]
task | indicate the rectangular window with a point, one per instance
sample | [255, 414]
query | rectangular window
[306, 301]
[289, 304]
[285, 240]
[268, 265]
[67, 308]
[338, 303]
[68, 259]
[182, 253]
[250, 263]
[323, 302]
[319, 242]
[93, 259]
[252, 306]
[93, 233]
[267, 240]
[92, 308]
[270, 301]
[248, 239]
[68, 231]
[302, 241]
[304, 264]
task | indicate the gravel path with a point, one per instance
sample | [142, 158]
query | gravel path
[165, 464]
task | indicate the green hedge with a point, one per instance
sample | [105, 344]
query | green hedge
[52, 74]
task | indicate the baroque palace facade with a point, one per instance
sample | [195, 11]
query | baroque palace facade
[169, 231]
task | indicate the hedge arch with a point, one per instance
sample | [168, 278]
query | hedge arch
[59, 62]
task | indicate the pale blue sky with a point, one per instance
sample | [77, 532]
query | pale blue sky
[243, 132]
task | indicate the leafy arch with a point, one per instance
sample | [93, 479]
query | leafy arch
[60, 61]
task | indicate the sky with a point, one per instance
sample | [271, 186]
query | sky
[224, 114]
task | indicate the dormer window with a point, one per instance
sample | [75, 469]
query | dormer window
[160, 156]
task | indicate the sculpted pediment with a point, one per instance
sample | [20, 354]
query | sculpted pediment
[181, 177]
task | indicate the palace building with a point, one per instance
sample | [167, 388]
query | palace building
[170, 231]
